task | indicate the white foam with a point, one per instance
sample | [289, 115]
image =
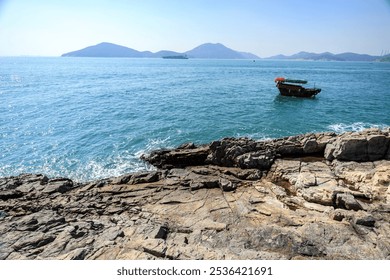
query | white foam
[114, 167]
[93, 169]
[157, 143]
[357, 126]
[117, 164]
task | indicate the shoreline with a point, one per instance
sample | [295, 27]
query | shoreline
[311, 196]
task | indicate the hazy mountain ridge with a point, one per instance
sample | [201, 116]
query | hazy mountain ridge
[327, 56]
[214, 51]
[208, 50]
[385, 58]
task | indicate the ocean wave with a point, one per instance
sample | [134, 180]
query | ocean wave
[79, 170]
[95, 169]
[82, 169]
[157, 143]
[357, 126]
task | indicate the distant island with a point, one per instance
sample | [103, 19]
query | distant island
[327, 56]
[208, 50]
[215, 51]
[385, 58]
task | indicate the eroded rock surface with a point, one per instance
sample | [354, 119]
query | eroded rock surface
[315, 196]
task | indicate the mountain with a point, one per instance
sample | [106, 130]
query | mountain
[218, 51]
[166, 53]
[327, 56]
[385, 58]
[203, 51]
[106, 50]
[357, 57]
[247, 55]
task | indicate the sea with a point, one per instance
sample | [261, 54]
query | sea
[92, 118]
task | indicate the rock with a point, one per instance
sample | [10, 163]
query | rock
[155, 248]
[381, 177]
[377, 147]
[144, 177]
[329, 150]
[124, 179]
[260, 160]
[305, 180]
[351, 149]
[3, 214]
[162, 232]
[309, 249]
[227, 185]
[60, 185]
[247, 153]
[366, 220]
[337, 215]
[112, 234]
[290, 149]
[313, 196]
[244, 174]
[178, 158]
[347, 201]
[368, 145]
[10, 194]
[311, 147]
[387, 157]
[33, 241]
[187, 146]
[225, 151]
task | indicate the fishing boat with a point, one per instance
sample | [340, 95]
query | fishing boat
[290, 87]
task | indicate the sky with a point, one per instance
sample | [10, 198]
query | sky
[262, 27]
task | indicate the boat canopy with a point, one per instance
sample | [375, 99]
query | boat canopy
[284, 80]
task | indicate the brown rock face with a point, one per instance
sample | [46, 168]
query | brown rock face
[371, 145]
[315, 196]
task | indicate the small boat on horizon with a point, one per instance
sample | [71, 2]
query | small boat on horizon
[290, 87]
[175, 57]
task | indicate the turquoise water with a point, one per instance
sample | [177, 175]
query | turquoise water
[90, 118]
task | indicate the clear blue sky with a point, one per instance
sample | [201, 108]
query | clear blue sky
[263, 27]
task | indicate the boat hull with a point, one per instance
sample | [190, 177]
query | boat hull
[296, 90]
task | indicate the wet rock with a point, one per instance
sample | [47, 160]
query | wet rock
[178, 157]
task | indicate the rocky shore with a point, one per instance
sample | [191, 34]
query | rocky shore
[313, 196]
